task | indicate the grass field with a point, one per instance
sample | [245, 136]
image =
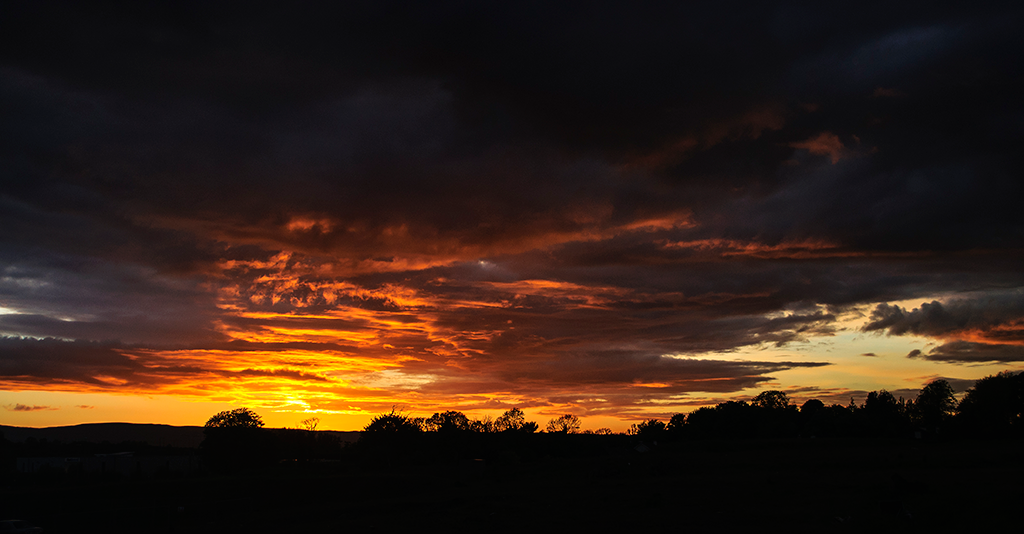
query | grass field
[792, 485]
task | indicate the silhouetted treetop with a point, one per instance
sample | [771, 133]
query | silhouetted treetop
[995, 405]
[237, 418]
[565, 424]
[392, 423]
[677, 424]
[881, 402]
[514, 420]
[812, 406]
[450, 421]
[771, 399]
[936, 404]
[651, 429]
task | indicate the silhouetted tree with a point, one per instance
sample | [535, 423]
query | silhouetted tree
[840, 420]
[565, 424]
[514, 420]
[649, 430]
[482, 425]
[771, 400]
[677, 426]
[882, 414]
[702, 421]
[235, 439]
[732, 419]
[309, 424]
[391, 437]
[736, 419]
[393, 423]
[774, 414]
[994, 406]
[935, 405]
[880, 402]
[812, 406]
[812, 418]
[238, 418]
[450, 421]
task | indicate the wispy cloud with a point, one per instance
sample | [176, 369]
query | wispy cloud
[17, 407]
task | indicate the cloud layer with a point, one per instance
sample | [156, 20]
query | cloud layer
[475, 206]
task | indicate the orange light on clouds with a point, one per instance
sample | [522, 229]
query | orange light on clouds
[824, 144]
[305, 224]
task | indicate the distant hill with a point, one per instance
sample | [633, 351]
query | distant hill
[156, 435]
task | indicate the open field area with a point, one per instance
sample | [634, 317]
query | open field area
[796, 485]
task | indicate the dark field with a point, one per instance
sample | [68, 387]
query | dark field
[793, 485]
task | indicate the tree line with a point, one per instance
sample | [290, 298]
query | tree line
[993, 407]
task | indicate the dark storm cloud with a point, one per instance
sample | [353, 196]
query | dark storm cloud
[693, 178]
[974, 330]
[610, 367]
[997, 318]
[43, 361]
[661, 331]
[970, 352]
[259, 85]
[91, 299]
[354, 103]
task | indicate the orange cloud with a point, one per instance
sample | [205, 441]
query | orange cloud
[308, 224]
[824, 144]
[726, 248]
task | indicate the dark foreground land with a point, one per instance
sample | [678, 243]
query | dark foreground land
[796, 485]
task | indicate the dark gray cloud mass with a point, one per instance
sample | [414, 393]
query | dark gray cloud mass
[987, 328]
[938, 319]
[968, 352]
[685, 179]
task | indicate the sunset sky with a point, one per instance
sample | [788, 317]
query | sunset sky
[620, 211]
